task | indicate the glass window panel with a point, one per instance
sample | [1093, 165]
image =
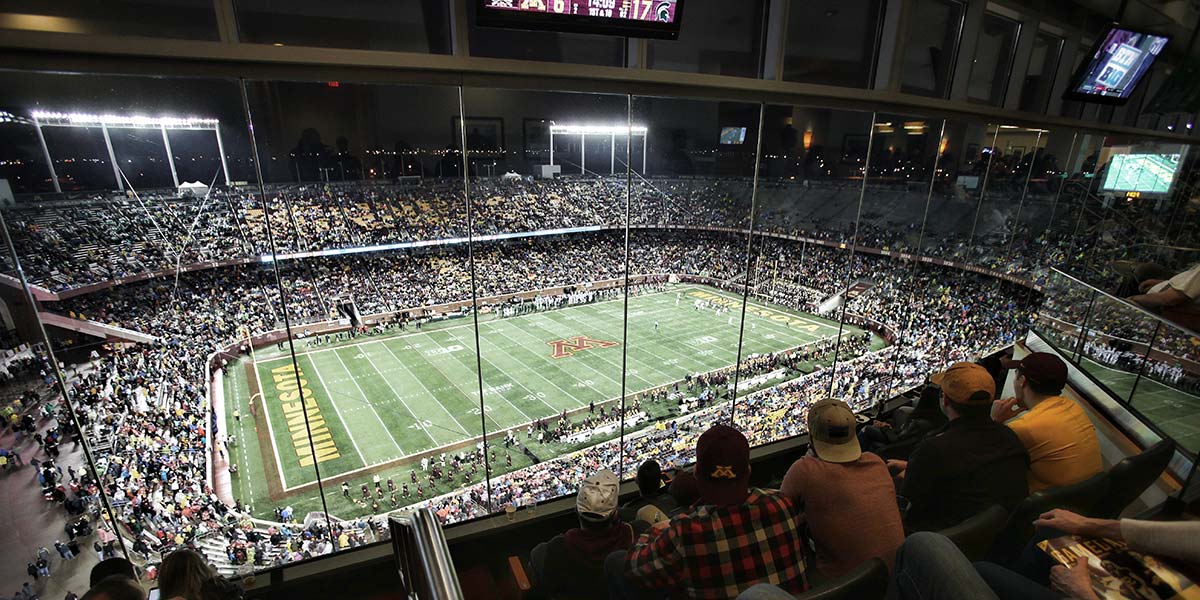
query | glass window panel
[1166, 390]
[142, 157]
[551, 307]
[720, 38]
[988, 80]
[880, 356]
[831, 42]
[160, 412]
[22, 161]
[1018, 151]
[1114, 333]
[404, 25]
[380, 329]
[932, 45]
[176, 19]
[809, 187]
[546, 46]
[80, 158]
[1039, 77]
[961, 177]
[1063, 313]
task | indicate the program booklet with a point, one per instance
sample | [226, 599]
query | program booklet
[1118, 572]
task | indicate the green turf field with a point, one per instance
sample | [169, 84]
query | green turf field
[376, 403]
[1176, 412]
[1151, 173]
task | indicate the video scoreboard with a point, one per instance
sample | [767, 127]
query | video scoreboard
[632, 18]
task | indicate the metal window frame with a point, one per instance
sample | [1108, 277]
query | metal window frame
[123, 55]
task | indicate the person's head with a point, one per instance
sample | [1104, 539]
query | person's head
[596, 502]
[723, 466]
[967, 391]
[831, 426]
[183, 573]
[116, 587]
[649, 477]
[109, 567]
[1039, 375]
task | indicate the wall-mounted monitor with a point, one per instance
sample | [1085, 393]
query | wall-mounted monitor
[1118, 62]
[1144, 173]
[628, 18]
[733, 135]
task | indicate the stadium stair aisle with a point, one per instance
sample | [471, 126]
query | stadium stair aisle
[29, 522]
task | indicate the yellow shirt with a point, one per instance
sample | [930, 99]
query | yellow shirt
[1062, 444]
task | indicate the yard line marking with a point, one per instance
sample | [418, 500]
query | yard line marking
[267, 415]
[345, 425]
[371, 405]
[419, 382]
[553, 409]
[412, 332]
[547, 359]
[472, 393]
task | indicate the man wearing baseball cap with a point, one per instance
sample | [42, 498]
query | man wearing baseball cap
[734, 537]
[968, 465]
[1061, 440]
[848, 497]
[572, 563]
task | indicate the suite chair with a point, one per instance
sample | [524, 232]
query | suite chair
[867, 582]
[1132, 476]
[1082, 497]
[976, 535]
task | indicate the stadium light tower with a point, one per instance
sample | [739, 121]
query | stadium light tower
[610, 130]
[105, 122]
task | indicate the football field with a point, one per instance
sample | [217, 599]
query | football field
[1174, 411]
[376, 404]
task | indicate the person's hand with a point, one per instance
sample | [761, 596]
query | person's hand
[1145, 286]
[1064, 521]
[897, 467]
[882, 424]
[1075, 582]
[1003, 410]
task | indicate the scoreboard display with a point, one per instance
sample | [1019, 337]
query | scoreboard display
[1118, 63]
[629, 18]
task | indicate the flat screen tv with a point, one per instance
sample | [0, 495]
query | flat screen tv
[627, 18]
[733, 135]
[1145, 173]
[1118, 62]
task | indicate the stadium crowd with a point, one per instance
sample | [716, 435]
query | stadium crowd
[150, 401]
[71, 244]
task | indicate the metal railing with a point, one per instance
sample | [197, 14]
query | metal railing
[423, 557]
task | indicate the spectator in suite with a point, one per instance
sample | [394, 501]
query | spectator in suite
[926, 417]
[110, 567]
[930, 567]
[116, 587]
[651, 492]
[572, 563]
[1177, 298]
[967, 466]
[185, 575]
[732, 539]
[848, 497]
[1061, 441]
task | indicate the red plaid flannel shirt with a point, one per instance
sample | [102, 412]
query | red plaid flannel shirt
[719, 551]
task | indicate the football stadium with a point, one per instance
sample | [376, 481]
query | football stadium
[566, 300]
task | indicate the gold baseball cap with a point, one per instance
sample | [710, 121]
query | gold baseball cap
[831, 427]
[966, 383]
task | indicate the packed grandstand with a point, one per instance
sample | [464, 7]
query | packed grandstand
[198, 274]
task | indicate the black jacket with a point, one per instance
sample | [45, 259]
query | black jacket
[962, 469]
